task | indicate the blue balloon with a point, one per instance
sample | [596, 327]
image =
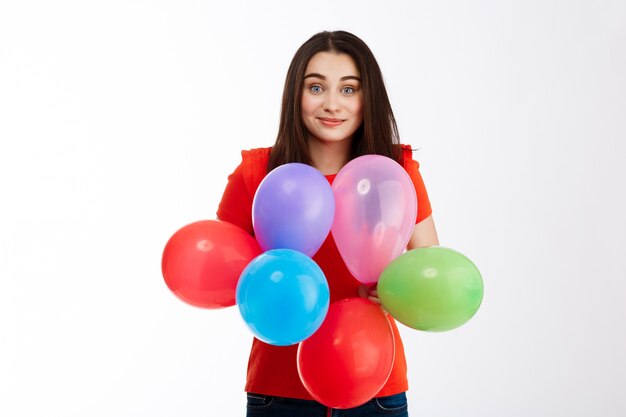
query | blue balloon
[283, 296]
[293, 208]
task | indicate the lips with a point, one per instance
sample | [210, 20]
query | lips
[330, 122]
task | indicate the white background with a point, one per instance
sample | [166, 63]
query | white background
[120, 121]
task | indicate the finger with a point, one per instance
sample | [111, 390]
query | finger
[363, 291]
[374, 299]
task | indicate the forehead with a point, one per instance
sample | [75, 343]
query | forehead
[332, 65]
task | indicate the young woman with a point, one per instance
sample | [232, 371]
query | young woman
[334, 108]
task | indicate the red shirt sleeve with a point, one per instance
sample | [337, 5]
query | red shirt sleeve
[412, 168]
[236, 204]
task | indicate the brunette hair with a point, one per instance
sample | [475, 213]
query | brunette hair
[378, 133]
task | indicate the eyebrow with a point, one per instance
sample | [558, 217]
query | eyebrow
[320, 76]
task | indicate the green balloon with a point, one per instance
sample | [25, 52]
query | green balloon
[432, 289]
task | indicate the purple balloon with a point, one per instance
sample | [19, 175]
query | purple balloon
[293, 208]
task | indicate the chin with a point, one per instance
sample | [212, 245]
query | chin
[332, 139]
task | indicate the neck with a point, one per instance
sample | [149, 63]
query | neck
[329, 157]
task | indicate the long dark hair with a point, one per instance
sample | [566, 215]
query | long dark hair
[378, 134]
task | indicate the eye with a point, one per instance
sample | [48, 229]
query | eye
[315, 89]
[347, 90]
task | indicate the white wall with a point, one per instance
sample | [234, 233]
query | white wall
[120, 121]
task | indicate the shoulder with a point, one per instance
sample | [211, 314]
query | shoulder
[407, 157]
[255, 158]
[256, 153]
[254, 166]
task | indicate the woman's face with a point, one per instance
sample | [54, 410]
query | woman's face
[332, 101]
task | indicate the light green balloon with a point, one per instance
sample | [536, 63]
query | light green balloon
[432, 289]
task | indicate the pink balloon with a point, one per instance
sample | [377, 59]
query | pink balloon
[375, 212]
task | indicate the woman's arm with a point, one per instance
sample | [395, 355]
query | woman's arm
[424, 234]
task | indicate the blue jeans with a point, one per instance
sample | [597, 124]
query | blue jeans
[269, 406]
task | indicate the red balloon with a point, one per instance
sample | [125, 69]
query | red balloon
[348, 360]
[202, 262]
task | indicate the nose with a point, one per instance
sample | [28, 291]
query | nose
[331, 101]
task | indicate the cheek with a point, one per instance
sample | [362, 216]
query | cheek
[356, 103]
[357, 109]
[308, 105]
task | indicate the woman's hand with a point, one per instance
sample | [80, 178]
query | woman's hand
[369, 292]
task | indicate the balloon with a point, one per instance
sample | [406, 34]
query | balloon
[202, 262]
[375, 214]
[433, 289]
[283, 296]
[293, 208]
[349, 359]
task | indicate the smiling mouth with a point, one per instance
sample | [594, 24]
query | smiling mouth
[330, 122]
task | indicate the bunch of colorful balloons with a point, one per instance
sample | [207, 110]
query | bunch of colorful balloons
[346, 349]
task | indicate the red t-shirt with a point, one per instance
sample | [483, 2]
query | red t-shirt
[272, 370]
